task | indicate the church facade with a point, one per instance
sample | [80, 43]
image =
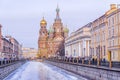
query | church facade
[51, 41]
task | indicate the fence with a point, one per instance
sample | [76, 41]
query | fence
[94, 62]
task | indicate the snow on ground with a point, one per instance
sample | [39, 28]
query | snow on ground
[40, 71]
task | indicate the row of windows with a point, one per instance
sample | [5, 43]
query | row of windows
[113, 42]
[96, 51]
[98, 37]
[114, 19]
[7, 49]
[111, 32]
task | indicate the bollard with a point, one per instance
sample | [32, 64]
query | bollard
[89, 62]
[0, 62]
[77, 60]
[73, 60]
[98, 62]
[66, 59]
[82, 61]
[69, 60]
[110, 64]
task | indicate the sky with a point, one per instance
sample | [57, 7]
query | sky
[21, 18]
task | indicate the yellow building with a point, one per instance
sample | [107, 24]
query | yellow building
[113, 32]
[98, 38]
[102, 38]
[105, 36]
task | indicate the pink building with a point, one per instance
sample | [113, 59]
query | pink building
[9, 47]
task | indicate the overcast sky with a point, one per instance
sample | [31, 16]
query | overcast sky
[21, 18]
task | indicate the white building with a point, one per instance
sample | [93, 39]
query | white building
[78, 43]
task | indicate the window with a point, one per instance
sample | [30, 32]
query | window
[93, 51]
[113, 42]
[74, 53]
[109, 22]
[66, 53]
[109, 43]
[84, 53]
[113, 31]
[109, 33]
[104, 51]
[113, 20]
[104, 35]
[113, 55]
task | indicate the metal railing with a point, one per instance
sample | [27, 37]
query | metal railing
[93, 62]
[9, 62]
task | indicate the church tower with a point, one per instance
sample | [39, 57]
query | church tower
[58, 25]
[42, 41]
[58, 33]
[51, 41]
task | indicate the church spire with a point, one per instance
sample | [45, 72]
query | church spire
[57, 12]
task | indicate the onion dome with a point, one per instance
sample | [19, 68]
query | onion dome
[57, 9]
[43, 22]
[65, 29]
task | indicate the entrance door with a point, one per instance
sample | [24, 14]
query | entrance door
[109, 56]
[109, 59]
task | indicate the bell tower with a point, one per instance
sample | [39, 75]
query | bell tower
[58, 33]
[43, 31]
[42, 41]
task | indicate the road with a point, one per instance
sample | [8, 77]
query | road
[33, 70]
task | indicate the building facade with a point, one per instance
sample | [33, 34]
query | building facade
[15, 46]
[51, 42]
[29, 53]
[105, 37]
[78, 43]
[113, 32]
[104, 44]
[9, 47]
[98, 47]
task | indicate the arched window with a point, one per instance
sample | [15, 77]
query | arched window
[74, 52]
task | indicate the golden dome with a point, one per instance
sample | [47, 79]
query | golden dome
[43, 22]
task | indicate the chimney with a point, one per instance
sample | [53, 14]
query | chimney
[113, 6]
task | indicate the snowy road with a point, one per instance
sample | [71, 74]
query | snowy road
[41, 71]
